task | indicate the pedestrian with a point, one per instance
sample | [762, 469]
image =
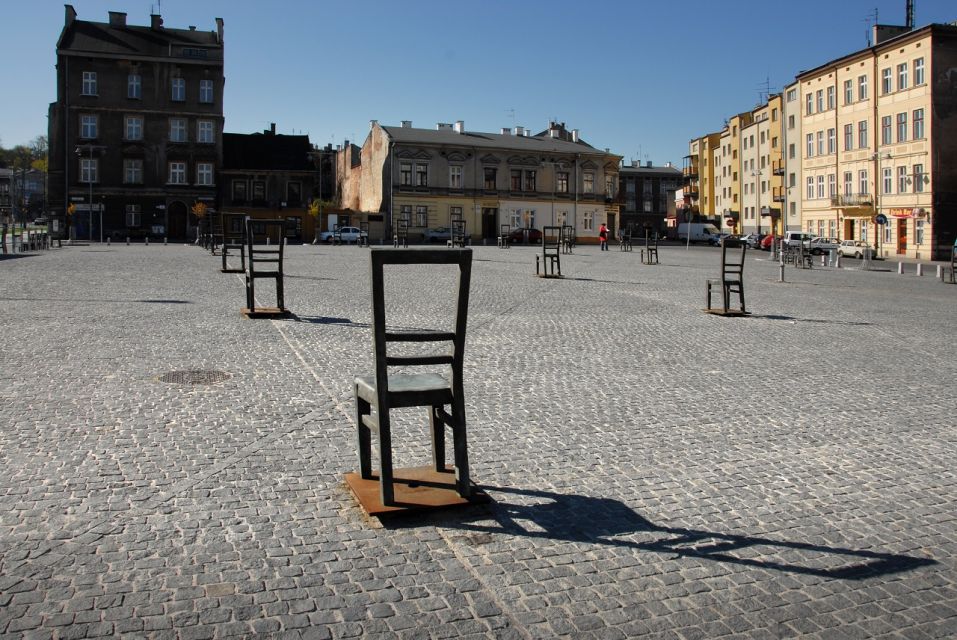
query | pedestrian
[603, 237]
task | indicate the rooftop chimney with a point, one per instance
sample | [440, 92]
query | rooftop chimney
[406, 124]
[519, 131]
[70, 14]
[553, 133]
[634, 164]
[219, 30]
[647, 164]
[373, 123]
[506, 131]
[156, 21]
[192, 27]
[272, 128]
[117, 19]
[574, 135]
[442, 125]
[460, 126]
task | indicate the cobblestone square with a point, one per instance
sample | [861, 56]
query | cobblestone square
[655, 471]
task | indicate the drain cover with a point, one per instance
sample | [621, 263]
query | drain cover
[194, 376]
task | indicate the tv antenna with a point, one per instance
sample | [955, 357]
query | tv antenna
[870, 19]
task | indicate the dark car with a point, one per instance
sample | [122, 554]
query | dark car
[518, 236]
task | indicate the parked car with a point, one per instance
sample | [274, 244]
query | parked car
[517, 236]
[793, 238]
[349, 234]
[715, 241]
[767, 240]
[855, 249]
[438, 234]
[751, 239]
[40, 222]
[817, 246]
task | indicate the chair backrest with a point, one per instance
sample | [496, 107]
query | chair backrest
[382, 335]
[274, 230]
[402, 229]
[551, 238]
[568, 232]
[364, 228]
[505, 230]
[234, 226]
[458, 230]
[732, 264]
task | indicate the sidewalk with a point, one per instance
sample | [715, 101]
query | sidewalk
[656, 471]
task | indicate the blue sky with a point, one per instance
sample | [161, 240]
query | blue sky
[637, 77]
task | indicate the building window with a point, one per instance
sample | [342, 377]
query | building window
[134, 86]
[133, 171]
[820, 187]
[918, 72]
[901, 179]
[89, 83]
[529, 180]
[810, 188]
[259, 191]
[902, 76]
[206, 91]
[848, 137]
[791, 121]
[902, 127]
[862, 181]
[792, 95]
[864, 230]
[177, 173]
[239, 191]
[516, 179]
[134, 128]
[831, 185]
[405, 214]
[421, 175]
[862, 141]
[820, 143]
[133, 215]
[820, 100]
[862, 88]
[610, 186]
[810, 145]
[178, 89]
[204, 174]
[848, 183]
[887, 81]
[405, 174]
[293, 194]
[888, 232]
[918, 178]
[848, 91]
[888, 186]
[886, 130]
[561, 182]
[830, 97]
[809, 104]
[88, 124]
[919, 231]
[831, 140]
[88, 170]
[177, 129]
[588, 222]
[204, 132]
[791, 151]
[455, 213]
[421, 215]
[918, 124]
[490, 178]
[455, 177]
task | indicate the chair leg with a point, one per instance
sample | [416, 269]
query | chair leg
[726, 297]
[249, 292]
[709, 296]
[460, 444]
[741, 295]
[364, 438]
[386, 490]
[280, 297]
[438, 439]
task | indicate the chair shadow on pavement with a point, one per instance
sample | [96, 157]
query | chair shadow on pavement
[576, 518]
[813, 320]
[343, 322]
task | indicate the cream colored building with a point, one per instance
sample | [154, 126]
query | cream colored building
[878, 134]
[789, 194]
[429, 177]
[698, 174]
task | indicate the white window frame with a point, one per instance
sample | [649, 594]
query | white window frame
[205, 132]
[89, 87]
[204, 174]
[887, 130]
[177, 89]
[206, 91]
[902, 179]
[887, 80]
[810, 145]
[902, 73]
[588, 221]
[134, 215]
[177, 172]
[820, 187]
[902, 126]
[831, 100]
[832, 185]
[862, 139]
[89, 170]
[918, 178]
[588, 182]
[918, 124]
[887, 183]
[134, 86]
[810, 188]
[848, 91]
[918, 71]
[455, 176]
[178, 130]
[133, 128]
[132, 171]
[849, 136]
[831, 140]
[561, 182]
[862, 181]
[819, 100]
[89, 126]
[861, 88]
[918, 232]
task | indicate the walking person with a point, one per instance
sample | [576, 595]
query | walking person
[603, 237]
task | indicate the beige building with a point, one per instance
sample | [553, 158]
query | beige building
[698, 174]
[429, 177]
[789, 194]
[879, 161]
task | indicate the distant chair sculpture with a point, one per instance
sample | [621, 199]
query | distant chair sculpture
[234, 239]
[731, 281]
[504, 237]
[568, 238]
[363, 239]
[264, 262]
[337, 234]
[550, 260]
[649, 254]
[215, 232]
[457, 234]
[401, 236]
[624, 239]
[379, 394]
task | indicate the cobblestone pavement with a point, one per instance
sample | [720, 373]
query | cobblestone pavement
[656, 471]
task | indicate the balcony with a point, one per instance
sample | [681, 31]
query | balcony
[853, 200]
[690, 191]
[690, 172]
[777, 167]
[779, 194]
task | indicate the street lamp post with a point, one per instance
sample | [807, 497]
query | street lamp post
[89, 175]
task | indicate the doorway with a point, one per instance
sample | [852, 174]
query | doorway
[489, 222]
[176, 221]
[901, 236]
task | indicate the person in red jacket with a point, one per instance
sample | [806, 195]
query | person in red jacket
[603, 237]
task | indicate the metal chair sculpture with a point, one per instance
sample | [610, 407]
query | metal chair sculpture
[731, 281]
[568, 238]
[234, 238]
[551, 262]
[363, 239]
[215, 232]
[504, 237]
[264, 262]
[457, 234]
[337, 234]
[379, 394]
[624, 243]
[649, 254]
[3, 239]
[401, 236]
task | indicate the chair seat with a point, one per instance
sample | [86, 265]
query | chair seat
[408, 389]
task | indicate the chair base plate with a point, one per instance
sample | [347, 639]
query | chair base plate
[417, 489]
[265, 312]
[730, 313]
[549, 275]
[232, 271]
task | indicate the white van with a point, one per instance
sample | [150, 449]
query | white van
[700, 231]
[794, 238]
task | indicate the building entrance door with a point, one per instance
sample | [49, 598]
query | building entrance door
[176, 221]
[901, 236]
[489, 223]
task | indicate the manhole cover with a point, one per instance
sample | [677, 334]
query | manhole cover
[194, 377]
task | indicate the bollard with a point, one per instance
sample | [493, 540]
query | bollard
[127, 241]
[837, 261]
[164, 241]
[940, 272]
[267, 241]
[823, 260]
[900, 268]
[147, 241]
[920, 269]
[107, 242]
